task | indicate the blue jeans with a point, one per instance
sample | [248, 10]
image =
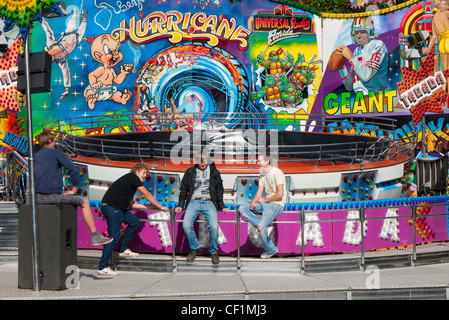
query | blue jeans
[115, 218]
[210, 212]
[269, 212]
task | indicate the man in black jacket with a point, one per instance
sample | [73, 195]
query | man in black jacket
[201, 191]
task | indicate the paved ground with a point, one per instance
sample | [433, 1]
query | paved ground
[418, 282]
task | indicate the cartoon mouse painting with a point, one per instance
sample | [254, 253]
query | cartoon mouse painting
[106, 50]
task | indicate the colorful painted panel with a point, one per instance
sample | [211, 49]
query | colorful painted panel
[177, 60]
[324, 232]
[185, 61]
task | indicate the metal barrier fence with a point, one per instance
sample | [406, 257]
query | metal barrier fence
[72, 136]
[14, 177]
[414, 206]
[213, 120]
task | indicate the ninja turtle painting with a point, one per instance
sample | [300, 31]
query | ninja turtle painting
[286, 81]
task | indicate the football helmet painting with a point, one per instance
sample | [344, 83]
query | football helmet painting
[364, 24]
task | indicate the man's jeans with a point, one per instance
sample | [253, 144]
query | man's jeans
[269, 212]
[210, 212]
[115, 218]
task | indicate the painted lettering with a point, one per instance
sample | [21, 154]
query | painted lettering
[349, 102]
[177, 26]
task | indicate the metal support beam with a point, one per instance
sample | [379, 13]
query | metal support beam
[36, 271]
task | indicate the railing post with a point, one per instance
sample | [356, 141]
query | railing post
[414, 232]
[102, 150]
[138, 148]
[362, 234]
[302, 220]
[237, 218]
[319, 157]
[163, 155]
[173, 240]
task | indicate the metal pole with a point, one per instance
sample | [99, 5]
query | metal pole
[302, 218]
[414, 232]
[173, 237]
[237, 218]
[36, 270]
[362, 232]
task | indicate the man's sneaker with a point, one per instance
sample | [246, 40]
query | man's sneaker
[128, 254]
[215, 259]
[99, 240]
[107, 272]
[192, 255]
[268, 256]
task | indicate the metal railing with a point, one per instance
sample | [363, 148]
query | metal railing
[384, 144]
[132, 122]
[414, 205]
[14, 176]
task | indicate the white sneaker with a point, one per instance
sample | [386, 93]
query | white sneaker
[128, 254]
[268, 256]
[107, 272]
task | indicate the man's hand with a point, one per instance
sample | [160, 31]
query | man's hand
[252, 205]
[225, 210]
[163, 208]
[345, 52]
[178, 210]
[73, 191]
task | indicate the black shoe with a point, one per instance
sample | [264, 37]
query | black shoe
[192, 255]
[215, 259]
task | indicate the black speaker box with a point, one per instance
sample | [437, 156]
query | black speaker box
[40, 82]
[39, 62]
[57, 245]
[40, 73]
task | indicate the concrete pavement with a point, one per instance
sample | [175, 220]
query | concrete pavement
[425, 281]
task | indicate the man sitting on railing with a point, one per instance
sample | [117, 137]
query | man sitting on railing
[115, 206]
[201, 191]
[49, 183]
[272, 181]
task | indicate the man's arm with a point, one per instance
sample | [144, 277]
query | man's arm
[277, 196]
[64, 160]
[257, 197]
[220, 192]
[183, 191]
[367, 70]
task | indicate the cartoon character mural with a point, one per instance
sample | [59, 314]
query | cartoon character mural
[426, 66]
[12, 102]
[178, 64]
[175, 64]
[285, 80]
[60, 49]
[362, 72]
[106, 50]
[369, 61]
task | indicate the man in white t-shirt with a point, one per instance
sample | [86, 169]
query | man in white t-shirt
[272, 182]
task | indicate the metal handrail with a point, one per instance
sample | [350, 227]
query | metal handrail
[356, 152]
[302, 221]
[80, 124]
[15, 175]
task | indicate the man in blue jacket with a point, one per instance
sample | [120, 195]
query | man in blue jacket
[201, 191]
[49, 184]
